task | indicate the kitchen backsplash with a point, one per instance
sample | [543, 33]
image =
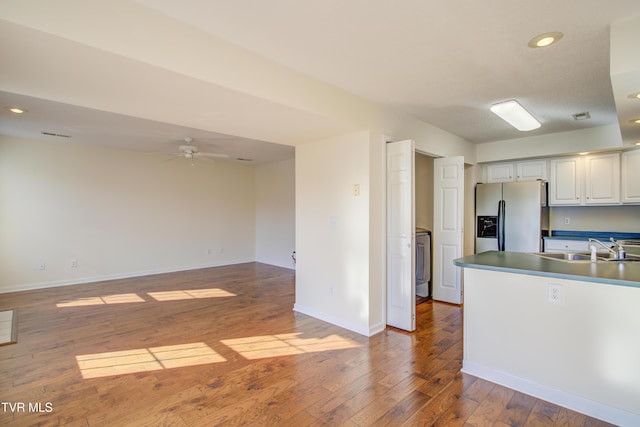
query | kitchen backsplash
[595, 218]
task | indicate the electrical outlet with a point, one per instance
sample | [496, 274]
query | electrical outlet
[331, 291]
[73, 263]
[42, 265]
[555, 294]
[333, 223]
[567, 221]
[356, 190]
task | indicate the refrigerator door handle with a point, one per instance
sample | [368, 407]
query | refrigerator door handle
[501, 225]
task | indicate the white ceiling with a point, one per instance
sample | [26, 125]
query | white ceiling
[94, 127]
[442, 62]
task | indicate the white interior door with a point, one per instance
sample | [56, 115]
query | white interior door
[448, 217]
[401, 281]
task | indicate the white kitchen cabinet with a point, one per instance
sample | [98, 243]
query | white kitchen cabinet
[557, 245]
[531, 170]
[630, 178]
[499, 172]
[602, 179]
[565, 181]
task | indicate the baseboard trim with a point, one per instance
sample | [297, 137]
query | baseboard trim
[576, 403]
[367, 332]
[116, 276]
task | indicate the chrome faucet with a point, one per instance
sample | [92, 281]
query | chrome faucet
[618, 252]
[622, 254]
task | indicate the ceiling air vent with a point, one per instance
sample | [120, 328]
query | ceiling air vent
[581, 116]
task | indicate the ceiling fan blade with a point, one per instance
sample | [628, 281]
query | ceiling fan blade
[179, 156]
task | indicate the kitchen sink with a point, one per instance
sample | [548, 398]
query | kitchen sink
[585, 256]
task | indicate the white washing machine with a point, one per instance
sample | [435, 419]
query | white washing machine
[423, 263]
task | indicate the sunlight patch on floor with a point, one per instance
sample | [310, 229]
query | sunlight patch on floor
[7, 327]
[190, 294]
[146, 359]
[286, 344]
[158, 296]
[107, 299]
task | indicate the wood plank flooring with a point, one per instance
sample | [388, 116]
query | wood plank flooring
[222, 346]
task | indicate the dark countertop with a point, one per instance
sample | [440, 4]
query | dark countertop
[609, 272]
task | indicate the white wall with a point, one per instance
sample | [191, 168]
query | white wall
[581, 353]
[275, 213]
[119, 213]
[424, 191]
[596, 218]
[599, 138]
[332, 230]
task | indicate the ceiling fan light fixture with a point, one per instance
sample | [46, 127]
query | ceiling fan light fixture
[545, 39]
[515, 114]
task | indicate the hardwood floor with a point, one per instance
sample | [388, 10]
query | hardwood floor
[222, 346]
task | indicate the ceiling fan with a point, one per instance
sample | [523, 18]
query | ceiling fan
[189, 151]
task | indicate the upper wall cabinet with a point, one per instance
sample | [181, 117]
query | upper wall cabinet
[597, 179]
[499, 172]
[565, 181]
[602, 179]
[589, 180]
[529, 170]
[631, 176]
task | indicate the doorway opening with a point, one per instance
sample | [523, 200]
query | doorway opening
[423, 226]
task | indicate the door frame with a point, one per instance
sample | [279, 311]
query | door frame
[383, 161]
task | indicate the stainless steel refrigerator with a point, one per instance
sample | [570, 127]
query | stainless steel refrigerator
[511, 216]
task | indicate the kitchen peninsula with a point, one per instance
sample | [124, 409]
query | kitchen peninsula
[565, 332]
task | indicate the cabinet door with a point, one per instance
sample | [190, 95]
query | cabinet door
[602, 179]
[564, 182]
[499, 172]
[631, 176]
[531, 170]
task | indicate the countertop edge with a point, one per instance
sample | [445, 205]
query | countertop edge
[474, 261]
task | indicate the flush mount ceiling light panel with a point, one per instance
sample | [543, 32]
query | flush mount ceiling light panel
[514, 114]
[546, 39]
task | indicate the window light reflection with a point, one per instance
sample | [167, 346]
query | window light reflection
[286, 344]
[146, 359]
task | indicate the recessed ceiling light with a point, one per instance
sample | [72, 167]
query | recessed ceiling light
[16, 110]
[514, 114]
[638, 143]
[635, 121]
[546, 39]
[584, 153]
[634, 95]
